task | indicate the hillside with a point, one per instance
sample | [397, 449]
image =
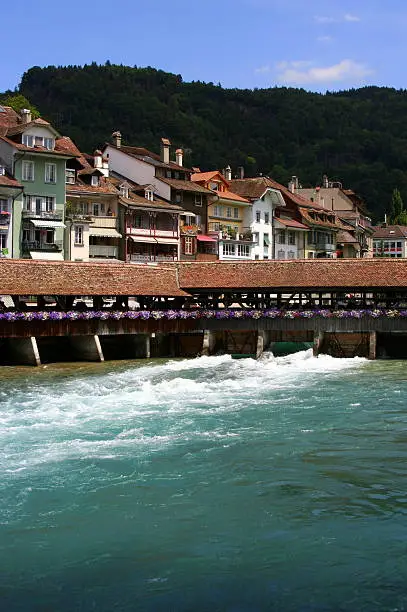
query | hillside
[358, 136]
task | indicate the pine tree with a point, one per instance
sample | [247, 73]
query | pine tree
[397, 213]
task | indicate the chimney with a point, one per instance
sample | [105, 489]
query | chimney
[117, 139]
[97, 159]
[294, 184]
[105, 164]
[228, 173]
[240, 172]
[165, 150]
[179, 153]
[325, 182]
[26, 115]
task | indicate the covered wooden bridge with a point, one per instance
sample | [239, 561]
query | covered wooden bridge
[92, 310]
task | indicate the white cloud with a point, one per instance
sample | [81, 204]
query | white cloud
[262, 69]
[324, 19]
[349, 17]
[325, 39]
[345, 71]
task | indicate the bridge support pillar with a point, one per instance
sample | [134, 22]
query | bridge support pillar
[263, 342]
[318, 339]
[86, 348]
[208, 344]
[372, 344]
[24, 351]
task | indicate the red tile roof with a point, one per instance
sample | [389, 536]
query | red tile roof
[8, 181]
[148, 157]
[390, 231]
[180, 185]
[28, 277]
[8, 119]
[318, 273]
[229, 195]
[21, 147]
[292, 223]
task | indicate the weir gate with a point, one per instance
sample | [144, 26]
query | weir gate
[69, 311]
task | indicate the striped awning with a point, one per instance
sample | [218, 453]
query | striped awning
[46, 255]
[104, 232]
[47, 223]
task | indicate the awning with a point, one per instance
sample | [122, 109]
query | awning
[203, 238]
[104, 232]
[167, 240]
[187, 214]
[46, 223]
[149, 239]
[48, 256]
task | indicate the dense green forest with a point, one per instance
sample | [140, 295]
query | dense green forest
[358, 137]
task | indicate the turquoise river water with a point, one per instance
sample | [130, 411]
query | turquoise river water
[204, 485]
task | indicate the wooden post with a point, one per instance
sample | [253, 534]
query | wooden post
[372, 345]
[318, 339]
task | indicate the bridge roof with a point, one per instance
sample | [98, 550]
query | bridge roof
[302, 274]
[28, 277]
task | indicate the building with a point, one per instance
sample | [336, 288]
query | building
[171, 182]
[94, 219]
[390, 241]
[227, 214]
[10, 190]
[29, 152]
[355, 239]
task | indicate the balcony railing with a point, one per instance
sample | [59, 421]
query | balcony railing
[160, 233]
[36, 245]
[42, 214]
[106, 222]
[103, 250]
[146, 258]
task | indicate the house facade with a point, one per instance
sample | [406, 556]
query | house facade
[29, 149]
[171, 182]
[10, 190]
[356, 237]
[390, 241]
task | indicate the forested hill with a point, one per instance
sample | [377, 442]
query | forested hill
[358, 137]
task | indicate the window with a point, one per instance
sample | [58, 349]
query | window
[281, 254]
[79, 235]
[148, 195]
[94, 181]
[311, 237]
[189, 245]
[26, 235]
[215, 227]
[124, 191]
[2, 170]
[70, 176]
[281, 237]
[50, 173]
[243, 250]
[214, 186]
[168, 173]
[266, 217]
[217, 211]
[49, 203]
[258, 216]
[198, 219]
[3, 242]
[98, 209]
[236, 213]
[28, 171]
[228, 249]
[291, 254]
[49, 143]
[4, 206]
[49, 238]
[38, 141]
[311, 255]
[28, 140]
[178, 196]
[228, 212]
[198, 199]
[291, 237]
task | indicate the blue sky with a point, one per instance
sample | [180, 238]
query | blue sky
[316, 44]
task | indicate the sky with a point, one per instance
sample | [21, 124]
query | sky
[319, 45]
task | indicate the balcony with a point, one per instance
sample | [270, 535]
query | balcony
[36, 245]
[106, 222]
[155, 233]
[4, 218]
[103, 250]
[138, 258]
[42, 214]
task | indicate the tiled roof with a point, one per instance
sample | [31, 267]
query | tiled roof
[254, 188]
[139, 202]
[390, 231]
[329, 273]
[8, 119]
[8, 181]
[105, 187]
[21, 147]
[186, 185]
[19, 129]
[229, 195]
[292, 223]
[346, 238]
[203, 177]
[149, 157]
[27, 277]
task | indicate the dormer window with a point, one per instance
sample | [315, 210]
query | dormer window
[124, 191]
[70, 176]
[214, 186]
[148, 194]
[28, 140]
[94, 181]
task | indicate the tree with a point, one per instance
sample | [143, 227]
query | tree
[18, 102]
[398, 216]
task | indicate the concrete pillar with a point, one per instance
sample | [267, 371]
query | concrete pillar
[148, 346]
[86, 348]
[372, 344]
[260, 344]
[24, 351]
[208, 343]
[318, 339]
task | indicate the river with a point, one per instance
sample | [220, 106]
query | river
[204, 485]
